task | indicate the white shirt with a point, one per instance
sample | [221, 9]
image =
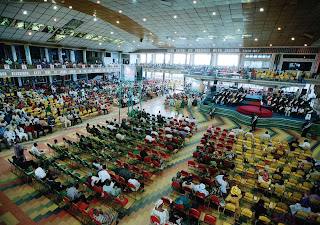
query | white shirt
[9, 134]
[94, 180]
[153, 132]
[187, 129]
[149, 138]
[104, 175]
[35, 150]
[167, 129]
[39, 172]
[250, 134]
[98, 166]
[305, 144]
[120, 137]
[111, 127]
[223, 184]
[199, 188]
[265, 135]
[135, 183]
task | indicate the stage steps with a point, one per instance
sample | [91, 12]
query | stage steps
[281, 123]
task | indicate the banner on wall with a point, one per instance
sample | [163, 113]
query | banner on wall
[64, 67]
[129, 73]
[51, 66]
[83, 66]
[91, 66]
[39, 67]
[23, 66]
[6, 67]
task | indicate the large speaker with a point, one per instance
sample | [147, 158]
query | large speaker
[215, 81]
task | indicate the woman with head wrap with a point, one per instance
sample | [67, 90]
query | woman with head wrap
[234, 197]
[160, 212]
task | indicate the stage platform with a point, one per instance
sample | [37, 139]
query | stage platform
[276, 121]
[249, 109]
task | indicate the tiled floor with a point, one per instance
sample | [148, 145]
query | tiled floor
[21, 204]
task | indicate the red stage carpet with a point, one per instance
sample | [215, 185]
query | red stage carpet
[249, 109]
[255, 103]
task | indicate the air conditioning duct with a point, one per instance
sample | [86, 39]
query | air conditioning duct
[166, 2]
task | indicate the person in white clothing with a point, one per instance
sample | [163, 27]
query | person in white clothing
[201, 188]
[249, 135]
[36, 151]
[40, 173]
[223, 182]
[20, 132]
[305, 144]
[265, 135]
[9, 135]
[104, 175]
[161, 213]
[65, 120]
[135, 183]
[120, 136]
[155, 133]
[149, 138]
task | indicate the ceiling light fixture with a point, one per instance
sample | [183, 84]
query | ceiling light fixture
[261, 9]
[256, 39]
[138, 45]
[204, 31]
[25, 12]
[175, 17]
[144, 19]
[70, 7]
[54, 7]
[54, 19]
[118, 46]
[197, 40]
[151, 40]
[30, 33]
[173, 40]
[45, 0]
[111, 32]
[279, 28]
[134, 41]
[213, 45]
[118, 21]
[194, 2]
[98, 2]
[169, 45]
[292, 38]
[175, 32]
[305, 45]
[100, 43]
[120, 11]
[224, 39]
[239, 29]
[270, 45]
[95, 19]
[190, 44]
[240, 45]
[150, 33]
[214, 13]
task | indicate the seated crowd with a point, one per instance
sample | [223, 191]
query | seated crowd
[228, 165]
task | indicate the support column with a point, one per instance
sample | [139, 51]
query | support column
[171, 58]
[74, 77]
[102, 58]
[46, 53]
[19, 82]
[14, 53]
[72, 56]
[50, 80]
[60, 55]
[84, 53]
[201, 87]
[212, 61]
[191, 59]
[28, 55]
[163, 77]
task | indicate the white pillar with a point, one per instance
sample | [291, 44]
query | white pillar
[84, 53]
[201, 87]
[46, 53]
[212, 59]
[60, 55]
[72, 56]
[50, 79]
[19, 81]
[14, 53]
[191, 59]
[171, 58]
[74, 77]
[28, 55]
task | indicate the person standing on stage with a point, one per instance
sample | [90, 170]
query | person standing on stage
[254, 121]
[305, 128]
[261, 104]
[212, 112]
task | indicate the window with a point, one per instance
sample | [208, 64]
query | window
[202, 59]
[258, 56]
[179, 59]
[143, 58]
[257, 64]
[149, 58]
[228, 60]
[159, 58]
[167, 58]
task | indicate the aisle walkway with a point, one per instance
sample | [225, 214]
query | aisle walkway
[21, 204]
